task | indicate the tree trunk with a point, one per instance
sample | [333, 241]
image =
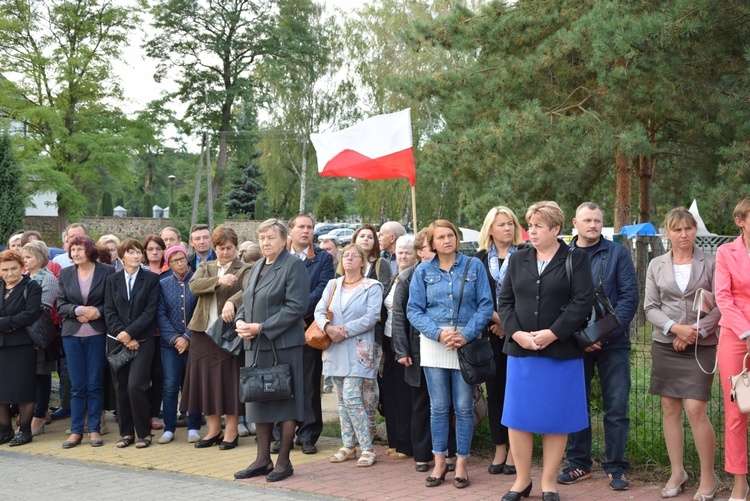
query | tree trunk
[303, 178]
[645, 178]
[221, 166]
[624, 189]
[62, 218]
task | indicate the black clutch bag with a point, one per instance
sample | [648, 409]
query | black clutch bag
[262, 384]
[120, 356]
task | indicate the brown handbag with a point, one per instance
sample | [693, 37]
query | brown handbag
[314, 336]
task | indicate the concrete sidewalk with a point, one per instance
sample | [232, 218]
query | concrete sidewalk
[313, 474]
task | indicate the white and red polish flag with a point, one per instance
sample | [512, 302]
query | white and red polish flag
[377, 148]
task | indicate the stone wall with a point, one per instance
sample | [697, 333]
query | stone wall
[134, 227]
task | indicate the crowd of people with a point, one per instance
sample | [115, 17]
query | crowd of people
[138, 324]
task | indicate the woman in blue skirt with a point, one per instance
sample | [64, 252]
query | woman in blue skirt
[540, 310]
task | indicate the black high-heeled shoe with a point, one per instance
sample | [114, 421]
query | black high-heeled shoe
[550, 496]
[225, 446]
[516, 496]
[208, 442]
[435, 481]
[496, 469]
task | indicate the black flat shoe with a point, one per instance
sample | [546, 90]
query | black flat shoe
[21, 438]
[225, 446]
[275, 476]
[509, 469]
[7, 436]
[254, 472]
[422, 467]
[276, 447]
[516, 496]
[208, 442]
[496, 469]
[550, 496]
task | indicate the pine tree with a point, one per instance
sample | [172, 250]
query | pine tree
[245, 190]
[12, 206]
[107, 207]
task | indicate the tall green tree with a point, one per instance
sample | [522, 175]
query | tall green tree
[212, 49]
[61, 54]
[12, 199]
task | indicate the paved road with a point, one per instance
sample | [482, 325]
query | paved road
[30, 478]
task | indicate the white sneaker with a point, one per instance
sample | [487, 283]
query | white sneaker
[193, 436]
[251, 428]
[167, 437]
[242, 429]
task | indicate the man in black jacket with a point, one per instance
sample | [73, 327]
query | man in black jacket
[613, 270]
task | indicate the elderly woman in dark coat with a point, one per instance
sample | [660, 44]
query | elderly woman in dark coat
[20, 303]
[273, 306]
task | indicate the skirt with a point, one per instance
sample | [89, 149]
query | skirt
[545, 395]
[17, 374]
[212, 379]
[676, 373]
[279, 410]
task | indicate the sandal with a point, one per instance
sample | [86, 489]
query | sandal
[367, 458]
[144, 442]
[343, 454]
[124, 442]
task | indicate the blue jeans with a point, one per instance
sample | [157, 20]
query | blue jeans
[613, 366]
[445, 385]
[174, 368]
[87, 360]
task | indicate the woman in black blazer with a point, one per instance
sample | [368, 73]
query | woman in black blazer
[499, 239]
[541, 310]
[130, 304]
[80, 304]
[20, 303]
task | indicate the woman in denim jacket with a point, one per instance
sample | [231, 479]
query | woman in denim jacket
[433, 309]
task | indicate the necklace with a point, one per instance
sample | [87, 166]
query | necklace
[686, 260]
[353, 281]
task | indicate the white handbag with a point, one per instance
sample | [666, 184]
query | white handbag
[740, 393]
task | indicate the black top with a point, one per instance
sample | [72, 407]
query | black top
[17, 312]
[530, 302]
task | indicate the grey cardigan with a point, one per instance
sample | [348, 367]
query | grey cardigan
[664, 303]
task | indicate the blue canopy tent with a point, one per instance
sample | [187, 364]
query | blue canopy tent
[643, 229]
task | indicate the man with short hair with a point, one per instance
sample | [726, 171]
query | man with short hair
[389, 233]
[319, 270]
[613, 271]
[73, 230]
[200, 239]
[171, 236]
[329, 245]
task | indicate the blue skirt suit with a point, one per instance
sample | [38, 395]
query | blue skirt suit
[545, 389]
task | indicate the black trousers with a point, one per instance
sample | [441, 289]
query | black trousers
[396, 397]
[310, 428]
[132, 383]
[496, 393]
[156, 392]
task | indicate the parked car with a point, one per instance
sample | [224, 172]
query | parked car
[324, 229]
[337, 234]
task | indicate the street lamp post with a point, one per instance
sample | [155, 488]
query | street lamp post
[172, 211]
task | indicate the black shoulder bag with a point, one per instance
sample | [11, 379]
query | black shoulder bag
[476, 358]
[602, 320]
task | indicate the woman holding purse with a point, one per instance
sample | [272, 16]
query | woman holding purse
[733, 299]
[270, 321]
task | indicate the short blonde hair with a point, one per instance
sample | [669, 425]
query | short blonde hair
[548, 212]
[485, 239]
[40, 251]
[741, 209]
[105, 239]
[360, 251]
[679, 215]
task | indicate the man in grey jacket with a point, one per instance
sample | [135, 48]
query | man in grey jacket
[613, 271]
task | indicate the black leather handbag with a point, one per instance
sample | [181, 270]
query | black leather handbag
[262, 384]
[120, 356]
[476, 358]
[43, 330]
[225, 336]
[602, 320]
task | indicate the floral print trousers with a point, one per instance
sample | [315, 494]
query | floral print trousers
[355, 423]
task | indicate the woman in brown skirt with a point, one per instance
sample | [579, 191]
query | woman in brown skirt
[681, 372]
[212, 377]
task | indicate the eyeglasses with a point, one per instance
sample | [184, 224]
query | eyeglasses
[178, 260]
[352, 255]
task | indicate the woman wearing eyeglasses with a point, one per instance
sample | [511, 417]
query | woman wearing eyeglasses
[350, 360]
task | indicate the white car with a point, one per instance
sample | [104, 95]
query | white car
[341, 236]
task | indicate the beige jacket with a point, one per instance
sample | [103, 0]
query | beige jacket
[204, 284]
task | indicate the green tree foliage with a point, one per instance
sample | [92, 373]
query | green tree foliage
[61, 52]
[107, 207]
[325, 209]
[212, 48]
[12, 200]
[245, 190]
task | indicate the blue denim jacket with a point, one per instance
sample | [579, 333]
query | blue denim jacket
[433, 298]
